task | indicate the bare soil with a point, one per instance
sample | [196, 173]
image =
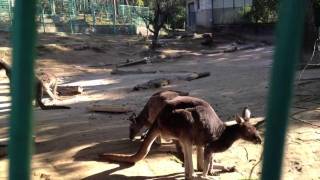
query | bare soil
[68, 141]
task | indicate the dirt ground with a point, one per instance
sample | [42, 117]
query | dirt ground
[68, 141]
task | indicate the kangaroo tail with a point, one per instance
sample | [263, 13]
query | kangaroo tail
[153, 133]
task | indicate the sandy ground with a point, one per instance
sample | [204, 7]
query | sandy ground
[68, 141]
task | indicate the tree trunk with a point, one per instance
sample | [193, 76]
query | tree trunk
[154, 44]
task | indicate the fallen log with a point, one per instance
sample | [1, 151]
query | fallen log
[155, 83]
[160, 82]
[69, 90]
[310, 79]
[309, 66]
[123, 72]
[143, 61]
[109, 109]
[195, 76]
[101, 65]
[231, 49]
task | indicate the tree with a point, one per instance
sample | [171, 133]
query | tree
[265, 11]
[163, 10]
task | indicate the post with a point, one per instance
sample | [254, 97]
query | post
[10, 11]
[42, 19]
[24, 35]
[114, 16]
[53, 7]
[288, 47]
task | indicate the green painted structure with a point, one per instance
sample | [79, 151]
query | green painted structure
[80, 16]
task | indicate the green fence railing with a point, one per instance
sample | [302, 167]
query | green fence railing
[73, 15]
[288, 46]
[20, 145]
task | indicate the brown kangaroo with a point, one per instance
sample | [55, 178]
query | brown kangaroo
[151, 110]
[44, 82]
[193, 121]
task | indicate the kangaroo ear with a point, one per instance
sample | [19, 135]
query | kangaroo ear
[239, 119]
[246, 113]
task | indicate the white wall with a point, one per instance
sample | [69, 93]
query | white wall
[205, 4]
[229, 3]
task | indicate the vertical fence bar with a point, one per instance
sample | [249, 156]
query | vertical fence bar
[24, 34]
[288, 47]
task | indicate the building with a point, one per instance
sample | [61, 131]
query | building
[207, 13]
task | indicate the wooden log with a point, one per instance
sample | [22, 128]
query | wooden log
[138, 71]
[101, 65]
[155, 83]
[143, 61]
[195, 76]
[231, 49]
[309, 66]
[109, 109]
[310, 79]
[69, 90]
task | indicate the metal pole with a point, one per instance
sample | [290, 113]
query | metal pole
[24, 35]
[42, 19]
[10, 11]
[288, 47]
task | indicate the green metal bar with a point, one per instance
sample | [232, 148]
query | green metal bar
[24, 35]
[288, 47]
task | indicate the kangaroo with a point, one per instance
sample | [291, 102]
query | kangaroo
[151, 110]
[44, 82]
[192, 121]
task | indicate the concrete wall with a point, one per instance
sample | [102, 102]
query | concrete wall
[224, 12]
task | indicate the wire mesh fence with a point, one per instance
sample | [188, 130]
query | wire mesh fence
[80, 16]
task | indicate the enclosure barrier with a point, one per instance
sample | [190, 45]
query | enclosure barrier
[289, 32]
[80, 16]
[288, 47]
[20, 147]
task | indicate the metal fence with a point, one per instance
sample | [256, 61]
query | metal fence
[80, 16]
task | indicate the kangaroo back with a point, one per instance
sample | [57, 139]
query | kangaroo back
[151, 110]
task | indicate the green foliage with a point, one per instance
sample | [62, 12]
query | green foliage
[263, 11]
[139, 3]
[266, 11]
[172, 12]
[178, 17]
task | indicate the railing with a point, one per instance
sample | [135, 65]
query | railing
[20, 146]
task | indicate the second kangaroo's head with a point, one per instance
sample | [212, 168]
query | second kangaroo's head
[247, 131]
[134, 127]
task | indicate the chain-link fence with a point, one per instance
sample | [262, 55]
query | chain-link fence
[80, 16]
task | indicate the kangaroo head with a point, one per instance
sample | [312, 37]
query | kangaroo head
[247, 131]
[134, 127]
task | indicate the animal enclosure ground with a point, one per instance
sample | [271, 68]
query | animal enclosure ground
[68, 141]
